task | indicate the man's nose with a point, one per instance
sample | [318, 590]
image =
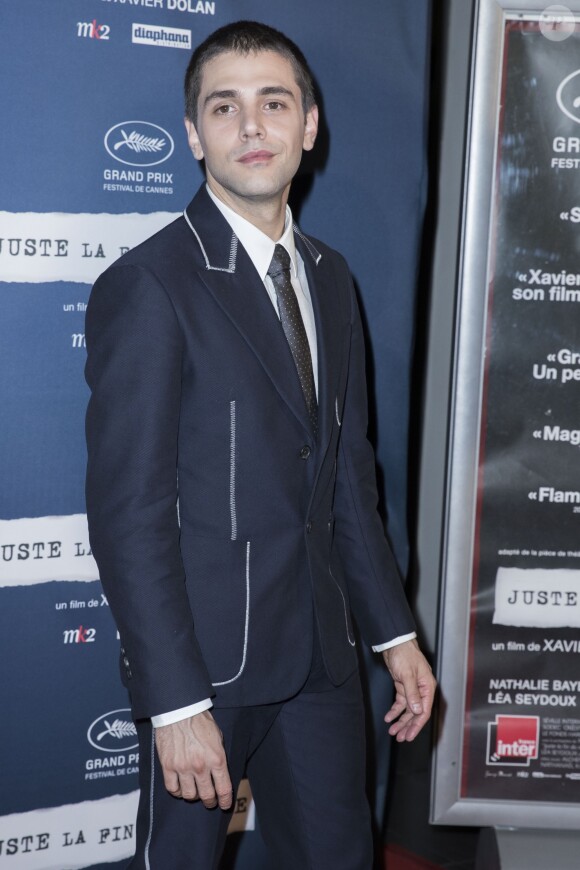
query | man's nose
[251, 124]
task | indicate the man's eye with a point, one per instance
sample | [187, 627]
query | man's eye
[224, 110]
[274, 105]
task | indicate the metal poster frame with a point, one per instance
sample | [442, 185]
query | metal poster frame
[448, 805]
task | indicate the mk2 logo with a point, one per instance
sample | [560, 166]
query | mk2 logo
[92, 30]
[79, 635]
[513, 740]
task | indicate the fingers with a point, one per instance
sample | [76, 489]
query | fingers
[171, 781]
[185, 786]
[205, 791]
[212, 789]
[415, 691]
[414, 701]
[193, 761]
[223, 788]
[399, 706]
[408, 724]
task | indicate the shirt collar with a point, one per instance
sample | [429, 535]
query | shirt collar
[259, 246]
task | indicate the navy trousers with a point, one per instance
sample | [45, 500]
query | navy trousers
[305, 759]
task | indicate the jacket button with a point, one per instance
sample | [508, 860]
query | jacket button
[309, 526]
[126, 662]
[305, 452]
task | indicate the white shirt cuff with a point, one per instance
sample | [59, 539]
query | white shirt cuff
[182, 713]
[395, 642]
[194, 709]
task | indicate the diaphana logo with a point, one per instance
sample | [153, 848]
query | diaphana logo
[166, 37]
[139, 143]
[113, 732]
[568, 96]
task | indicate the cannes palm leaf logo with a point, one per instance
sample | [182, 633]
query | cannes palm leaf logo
[567, 96]
[138, 142]
[119, 728]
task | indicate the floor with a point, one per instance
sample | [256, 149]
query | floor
[397, 858]
[411, 842]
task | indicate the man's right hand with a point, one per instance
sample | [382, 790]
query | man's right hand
[194, 762]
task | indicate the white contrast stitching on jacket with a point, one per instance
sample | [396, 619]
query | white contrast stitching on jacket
[233, 516]
[247, 623]
[150, 832]
[316, 255]
[350, 640]
[233, 249]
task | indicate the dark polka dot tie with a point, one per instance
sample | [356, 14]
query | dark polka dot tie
[293, 326]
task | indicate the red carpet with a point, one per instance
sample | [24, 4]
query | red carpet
[397, 858]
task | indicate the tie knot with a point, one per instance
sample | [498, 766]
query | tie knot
[280, 262]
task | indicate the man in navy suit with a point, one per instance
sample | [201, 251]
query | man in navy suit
[231, 492]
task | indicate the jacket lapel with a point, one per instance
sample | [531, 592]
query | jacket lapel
[329, 329]
[231, 278]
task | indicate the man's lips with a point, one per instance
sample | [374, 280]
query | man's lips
[255, 157]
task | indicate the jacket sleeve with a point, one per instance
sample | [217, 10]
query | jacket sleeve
[133, 369]
[375, 589]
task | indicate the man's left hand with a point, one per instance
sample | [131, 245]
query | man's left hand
[415, 690]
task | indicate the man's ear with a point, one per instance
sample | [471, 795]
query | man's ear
[310, 129]
[193, 140]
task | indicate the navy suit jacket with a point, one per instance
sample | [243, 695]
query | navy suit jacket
[221, 527]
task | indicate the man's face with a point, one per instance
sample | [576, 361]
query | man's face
[250, 128]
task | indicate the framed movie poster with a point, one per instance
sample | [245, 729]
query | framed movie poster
[508, 749]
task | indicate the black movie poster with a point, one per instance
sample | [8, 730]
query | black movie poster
[522, 717]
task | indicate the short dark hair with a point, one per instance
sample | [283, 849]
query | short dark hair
[245, 37]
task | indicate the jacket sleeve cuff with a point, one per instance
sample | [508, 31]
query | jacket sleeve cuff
[395, 642]
[182, 713]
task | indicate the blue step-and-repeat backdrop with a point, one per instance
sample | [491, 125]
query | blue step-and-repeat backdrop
[93, 159]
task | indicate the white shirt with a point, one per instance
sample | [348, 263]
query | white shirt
[260, 249]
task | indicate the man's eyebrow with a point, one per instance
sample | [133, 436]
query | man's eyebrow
[275, 91]
[268, 91]
[221, 95]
